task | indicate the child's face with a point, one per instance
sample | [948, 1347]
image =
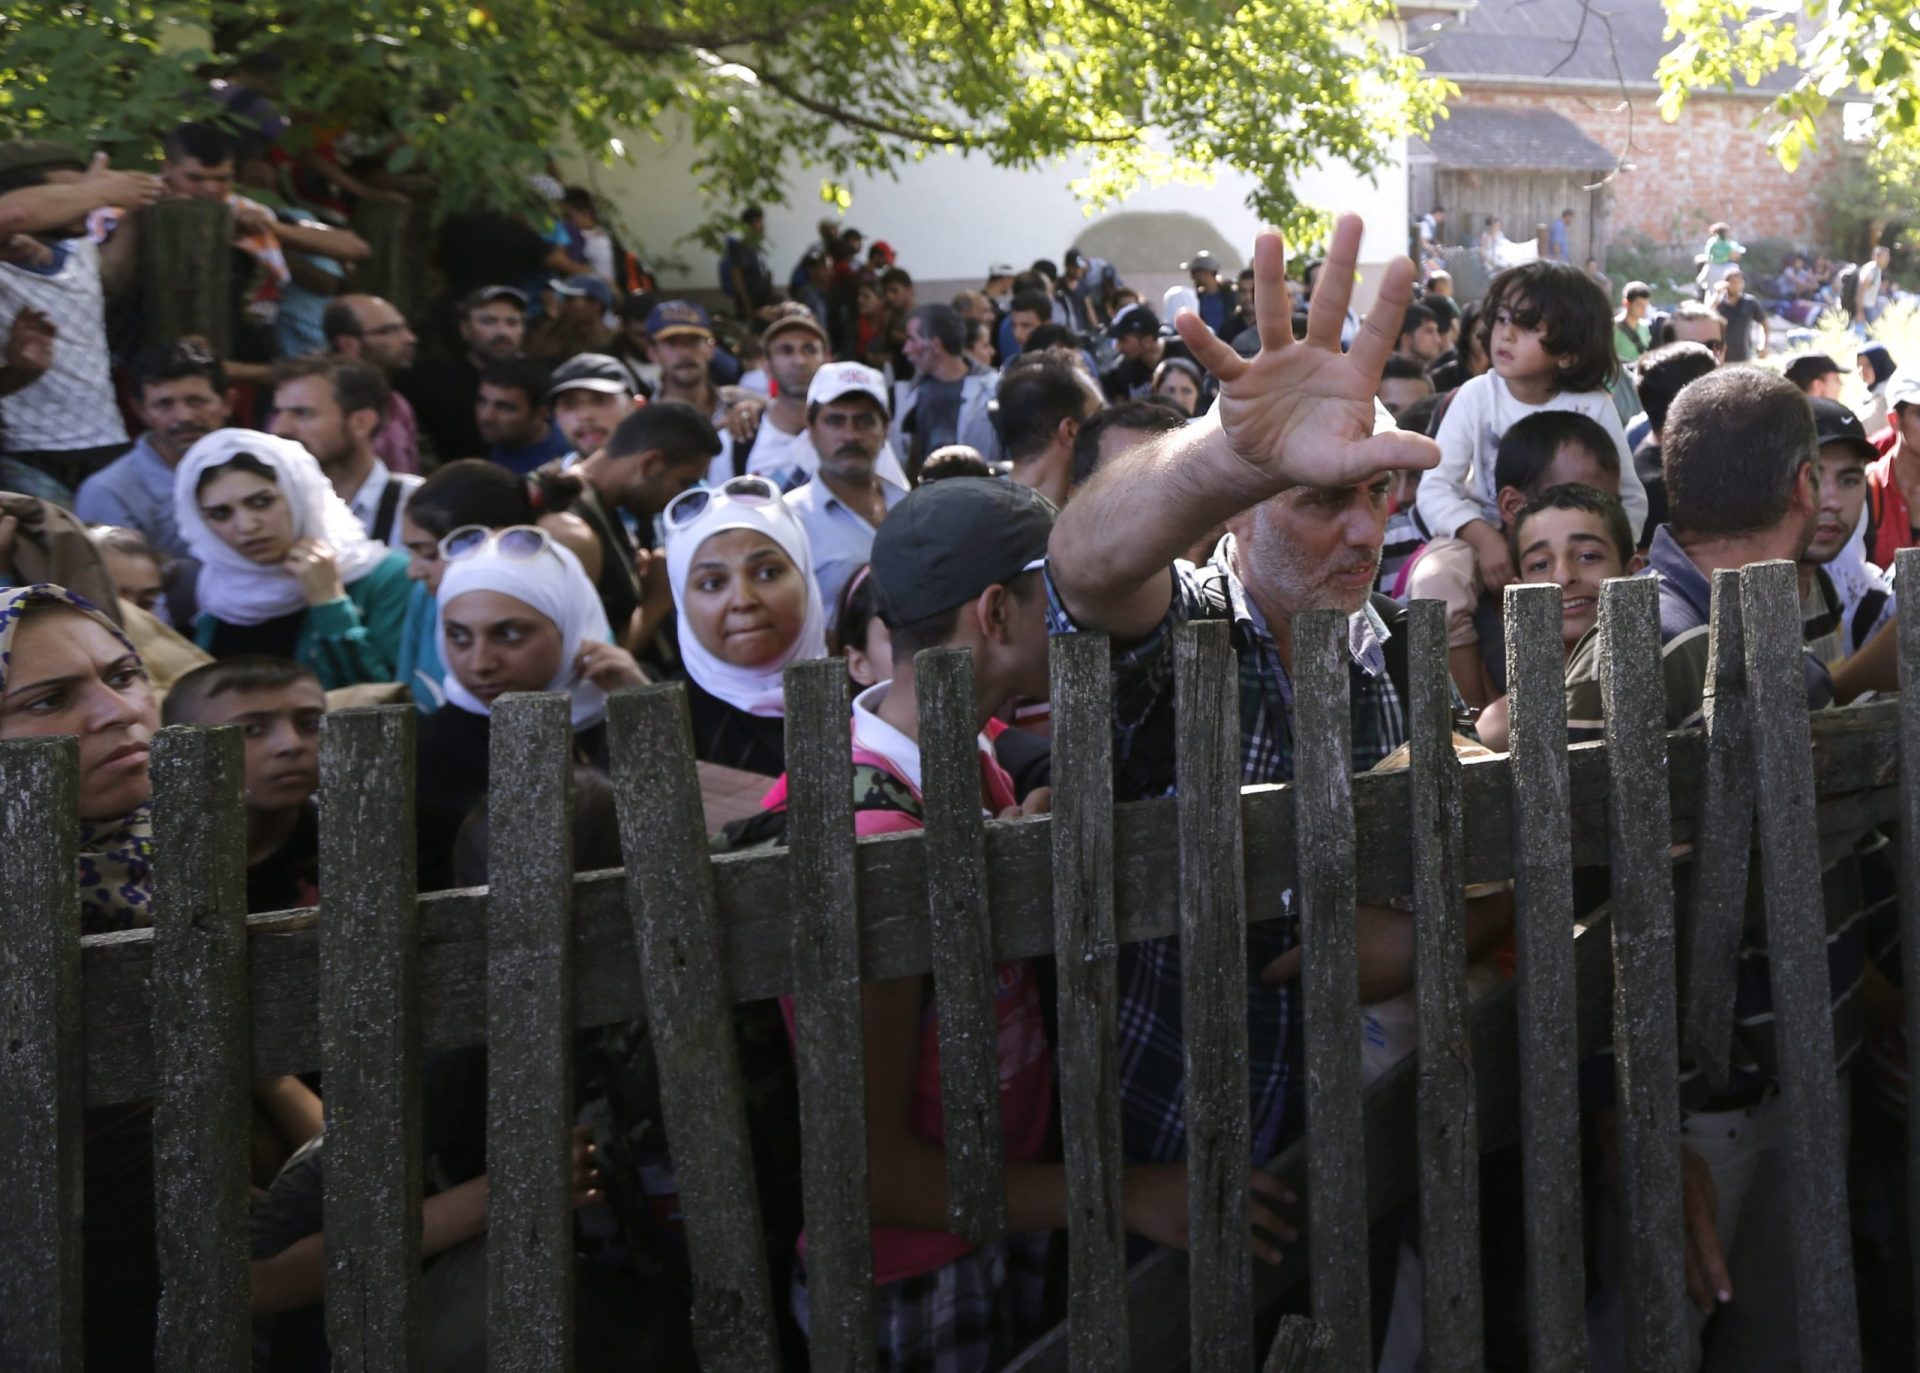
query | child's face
[1570, 549]
[281, 726]
[1519, 354]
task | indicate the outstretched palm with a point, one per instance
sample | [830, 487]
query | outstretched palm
[1302, 413]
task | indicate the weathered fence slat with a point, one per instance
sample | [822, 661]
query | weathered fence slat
[670, 902]
[1213, 980]
[1299, 1346]
[1086, 953]
[201, 1023]
[1449, 1135]
[1324, 843]
[42, 1085]
[1544, 940]
[1645, 1033]
[829, 1040]
[1725, 848]
[1907, 564]
[1797, 955]
[530, 1035]
[963, 976]
[186, 249]
[370, 1038]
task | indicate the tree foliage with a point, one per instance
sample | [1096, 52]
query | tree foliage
[478, 92]
[1865, 51]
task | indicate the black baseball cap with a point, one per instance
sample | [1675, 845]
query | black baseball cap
[951, 540]
[487, 295]
[1836, 423]
[590, 372]
[1135, 319]
[1803, 371]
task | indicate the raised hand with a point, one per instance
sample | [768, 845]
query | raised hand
[1302, 413]
[312, 563]
[128, 190]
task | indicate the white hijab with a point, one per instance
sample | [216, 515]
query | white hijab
[232, 587]
[756, 690]
[555, 585]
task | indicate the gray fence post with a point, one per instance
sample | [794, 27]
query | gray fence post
[42, 1080]
[1324, 850]
[370, 1038]
[1544, 940]
[202, 1042]
[677, 935]
[1907, 564]
[1213, 998]
[1449, 1131]
[1086, 952]
[530, 1323]
[1645, 1017]
[186, 272]
[829, 1034]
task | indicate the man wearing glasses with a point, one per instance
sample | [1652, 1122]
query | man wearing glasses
[847, 499]
[368, 329]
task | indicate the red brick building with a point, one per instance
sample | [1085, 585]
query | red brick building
[1551, 117]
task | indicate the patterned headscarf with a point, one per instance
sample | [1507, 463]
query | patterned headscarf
[116, 856]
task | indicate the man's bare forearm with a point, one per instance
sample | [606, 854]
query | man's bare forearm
[1113, 544]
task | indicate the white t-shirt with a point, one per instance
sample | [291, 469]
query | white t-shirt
[1461, 488]
[789, 459]
[72, 406]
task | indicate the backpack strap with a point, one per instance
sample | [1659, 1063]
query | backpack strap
[385, 513]
[1395, 647]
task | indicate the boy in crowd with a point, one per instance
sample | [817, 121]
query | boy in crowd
[278, 705]
[589, 394]
[1548, 448]
[1663, 374]
[1848, 598]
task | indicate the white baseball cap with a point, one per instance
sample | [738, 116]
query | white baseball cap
[1903, 385]
[837, 380]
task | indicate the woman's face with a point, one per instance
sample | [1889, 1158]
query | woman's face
[250, 516]
[1865, 364]
[424, 563]
[1178, 387]
[495, 644]
[744, 598]
[69, 675]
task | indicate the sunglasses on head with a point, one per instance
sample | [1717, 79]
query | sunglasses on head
[689, 506]
[518, 543]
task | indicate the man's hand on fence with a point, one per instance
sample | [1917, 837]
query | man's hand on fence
[1154, 1204]
[1302, 413]
[1707, 1280]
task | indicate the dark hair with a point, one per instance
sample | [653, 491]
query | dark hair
[1446, 311]
[130, 543]
[356, 385]
[1149, 417]
[1417, 418]
[1400, 367]
[239, 462]
[933, 630]
[1666, 372]
[518, 374]
[1050, 335]
[895, 276]
[944, 325]
[1690, 309]
[246, 672]
[1045, 267]
[203, 142]
[1473, 327]
[1574, 314]
[1032, 400]
[1417, 315]
[475, 491]
[954, 460]
[859, 607]
[976, 330]
[1029, 280]
[672, 427]
[1577, 496]
[1530, 445]
[751, 213]
[1636, 290]
[1032, 303]
[339, 321]
[1732, 450]
[579, 198]
[158, 363]
[1805, 371]
[596, 830]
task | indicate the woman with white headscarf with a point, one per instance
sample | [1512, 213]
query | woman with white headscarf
[742, 579]
[517, 613]
[286, 570]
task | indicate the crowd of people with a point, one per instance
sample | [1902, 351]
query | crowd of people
[561, 479]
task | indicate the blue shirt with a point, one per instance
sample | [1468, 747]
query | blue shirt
[135, 491]
[529, 456]
[1559, 241]
[838, 537]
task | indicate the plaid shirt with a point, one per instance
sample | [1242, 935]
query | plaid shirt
[1152, 1068]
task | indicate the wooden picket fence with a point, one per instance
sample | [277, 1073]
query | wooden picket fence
[190, 1012]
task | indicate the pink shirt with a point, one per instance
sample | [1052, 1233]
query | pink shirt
[1026, 1064]
[398, 440]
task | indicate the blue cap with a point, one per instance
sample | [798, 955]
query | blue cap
[672, 317]
[585, 285]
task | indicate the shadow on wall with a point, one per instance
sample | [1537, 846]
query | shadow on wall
[1149, 243]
